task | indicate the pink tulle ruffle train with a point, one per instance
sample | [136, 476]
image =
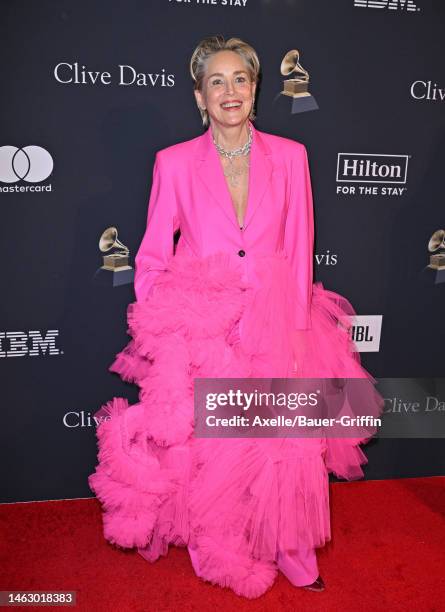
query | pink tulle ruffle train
[236, 501]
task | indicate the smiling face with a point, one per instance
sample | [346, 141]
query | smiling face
[227, 91]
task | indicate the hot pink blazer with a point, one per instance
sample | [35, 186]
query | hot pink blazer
[189, 192]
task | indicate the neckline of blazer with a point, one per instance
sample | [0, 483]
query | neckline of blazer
[210, 172]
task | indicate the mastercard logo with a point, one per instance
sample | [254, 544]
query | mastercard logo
[32, 164]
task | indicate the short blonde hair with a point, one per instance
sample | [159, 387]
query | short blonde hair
[211, 45]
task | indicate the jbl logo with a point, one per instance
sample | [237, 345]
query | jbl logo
[365, 332]
[361, 333]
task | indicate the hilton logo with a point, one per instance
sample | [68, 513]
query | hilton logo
[393, 5]
[31, 344]
[384, 172]
[365, 333]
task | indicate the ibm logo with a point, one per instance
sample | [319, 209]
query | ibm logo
[393, 5]
[31, 344]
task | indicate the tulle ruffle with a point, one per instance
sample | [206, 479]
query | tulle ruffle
[237, 501]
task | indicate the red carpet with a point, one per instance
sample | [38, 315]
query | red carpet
[387, 553]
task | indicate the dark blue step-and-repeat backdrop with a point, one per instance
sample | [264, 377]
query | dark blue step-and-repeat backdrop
[92, 91]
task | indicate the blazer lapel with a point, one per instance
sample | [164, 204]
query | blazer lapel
[209, 169]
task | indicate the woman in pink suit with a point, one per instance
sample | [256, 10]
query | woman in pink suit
[236, 298]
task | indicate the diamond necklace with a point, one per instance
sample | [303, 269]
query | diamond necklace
[231, 172]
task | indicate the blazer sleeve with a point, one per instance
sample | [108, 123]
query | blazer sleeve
[299, 234]
[157, 245]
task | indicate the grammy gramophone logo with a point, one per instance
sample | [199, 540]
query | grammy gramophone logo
[115, 269]
[436, 246]
[296, 87]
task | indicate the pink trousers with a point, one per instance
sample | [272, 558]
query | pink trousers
[299, 566]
